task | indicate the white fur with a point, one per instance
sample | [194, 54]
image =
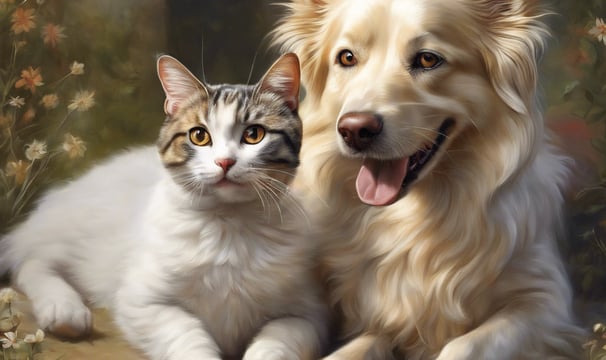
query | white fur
[198, 260]
[193, 282]
[77, 236]
[229, 270]
[464, 264]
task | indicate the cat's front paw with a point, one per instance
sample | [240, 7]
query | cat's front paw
[269, 350]
[64, 318]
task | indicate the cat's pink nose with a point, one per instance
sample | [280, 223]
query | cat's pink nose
[225, 164]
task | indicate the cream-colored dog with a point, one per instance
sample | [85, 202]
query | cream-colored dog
[434, 185]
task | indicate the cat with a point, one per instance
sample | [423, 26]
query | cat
[196, 244]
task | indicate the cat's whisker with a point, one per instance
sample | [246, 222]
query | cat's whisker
[307, 187]
[297, 208]
[285, 195]
[199, 193]
[275, 191]
[259, 191]
[275, 199]
[274, 196]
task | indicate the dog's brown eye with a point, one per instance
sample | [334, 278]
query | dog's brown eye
[346, 58]
[427, 60]
[199, 136]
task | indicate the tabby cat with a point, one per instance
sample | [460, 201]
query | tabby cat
[196, 244]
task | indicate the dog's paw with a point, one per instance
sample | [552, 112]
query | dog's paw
[367, 356]
[269, 350]
[64, 318]
[459, 349]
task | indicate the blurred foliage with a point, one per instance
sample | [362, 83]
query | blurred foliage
[595, 348]
[576, 88]
[14, 345]
[116, 43]
[43, 93]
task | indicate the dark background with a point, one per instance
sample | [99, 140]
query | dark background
[230, 34]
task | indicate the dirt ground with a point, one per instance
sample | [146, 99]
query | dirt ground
[105, 343]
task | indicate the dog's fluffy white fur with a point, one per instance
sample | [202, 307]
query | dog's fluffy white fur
[463, 262]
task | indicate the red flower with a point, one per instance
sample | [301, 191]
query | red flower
[30, 78]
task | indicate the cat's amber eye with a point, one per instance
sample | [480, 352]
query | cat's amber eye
[253, 135]
[427, 60]
[346, 58]
[199, 136]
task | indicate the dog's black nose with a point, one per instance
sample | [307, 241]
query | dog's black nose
[359, 129]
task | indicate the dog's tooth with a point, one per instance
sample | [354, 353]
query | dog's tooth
[413, 162]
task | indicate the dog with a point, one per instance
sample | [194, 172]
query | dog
[432, 181]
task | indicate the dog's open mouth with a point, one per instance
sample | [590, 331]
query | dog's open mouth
[380, 182]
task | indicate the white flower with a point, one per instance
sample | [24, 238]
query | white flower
[77, 68]
[10, 340]
[82, 101]
[36, 338]
[10, 321]
[73, 146]
[599, 30]
[7, 295]
[36, 150]
[16, 101]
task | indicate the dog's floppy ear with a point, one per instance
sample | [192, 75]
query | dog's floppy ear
[513, 43]
[300, 31]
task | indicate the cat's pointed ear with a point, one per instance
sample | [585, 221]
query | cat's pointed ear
[178, 83]
[283, 79]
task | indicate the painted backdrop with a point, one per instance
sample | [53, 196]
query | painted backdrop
[77, 83]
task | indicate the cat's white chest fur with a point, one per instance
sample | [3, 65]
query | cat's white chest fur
[225, 289]
[232, 272]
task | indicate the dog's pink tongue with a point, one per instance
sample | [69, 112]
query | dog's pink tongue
[379, 182]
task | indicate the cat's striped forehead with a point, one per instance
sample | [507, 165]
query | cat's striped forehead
[230, 94]
[229, 105]
[247, 107]
[194, 111]
[200, 107]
